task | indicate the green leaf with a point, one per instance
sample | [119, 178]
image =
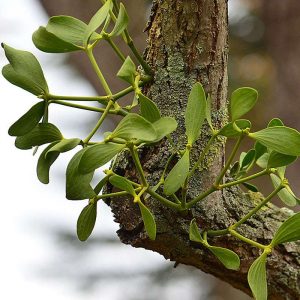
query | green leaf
[101, 184]
[275, 122]
[122, 184]
[250, 187]
[86, 221]
[50, 43]
[133, 126]
[248, 159]
[44, 164]
[24, 71]
[260, 150]
[285, 195]
[282, 139]
[78, 185]
[149, 221]
[97, 20]
[242, 101]
[127, 71]
[281, 172]
[163, 127]
[234, 169]
[280, 160]
[230, 131]
[64, 145]
[195, 112]
[98, 155]
[177, 175]
[227, 257]
[121, 23]
[262, 162]
[194, 233]
[28, 121]
[43, 133]
[208, 111]
[149, 110]
[257, 278]
[68, 29]
[289, 231]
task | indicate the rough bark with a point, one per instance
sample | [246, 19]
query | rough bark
[188, 42]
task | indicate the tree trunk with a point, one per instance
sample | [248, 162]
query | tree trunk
[188, 43]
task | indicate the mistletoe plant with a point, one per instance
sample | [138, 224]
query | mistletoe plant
[274, 147]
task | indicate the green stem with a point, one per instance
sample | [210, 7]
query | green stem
[257, 208]
[136, 53]
[191, 203]
[96, 68]
[99, 123]
[128, 40]
[230, 159]
[163, 200]
[115, 48]
[251, 177]
[202, 156]
[78, 98]
[246, 240]
[116, 194]
[137, 162]
[121, 112]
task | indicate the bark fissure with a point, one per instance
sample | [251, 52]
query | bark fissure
[188, 43]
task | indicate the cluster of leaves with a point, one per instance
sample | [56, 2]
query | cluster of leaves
[274, 148]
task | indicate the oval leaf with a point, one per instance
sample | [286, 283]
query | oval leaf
[227, 257]
[50, 43]
[242, 101]
[121, 23]
[97, 20]
[164, 126]
[177, 175]
[101, 184]
[275, 122]
[44, 164]
[250, 187]
[257, 278]
[122, 184]
[25, 71]
[285, 195]
[78, 185]
[67, 29]
[43, 133]
[149, 221]
[133, 126]
[248, 159]
[230, 131]
[149, 109]
[280, 160]
[289, 231]
[127, 71]
[86, 221]
[262, 162]
[194, 233]
[64, 145]
[98, 155]
[260, 150]
[28, 121]
[195, 112]
[282, 139]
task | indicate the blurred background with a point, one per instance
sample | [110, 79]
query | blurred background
[41, 256]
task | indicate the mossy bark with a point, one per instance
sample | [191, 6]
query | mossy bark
[188, 43]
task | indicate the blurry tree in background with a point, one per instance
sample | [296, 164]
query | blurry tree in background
[264, 46]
